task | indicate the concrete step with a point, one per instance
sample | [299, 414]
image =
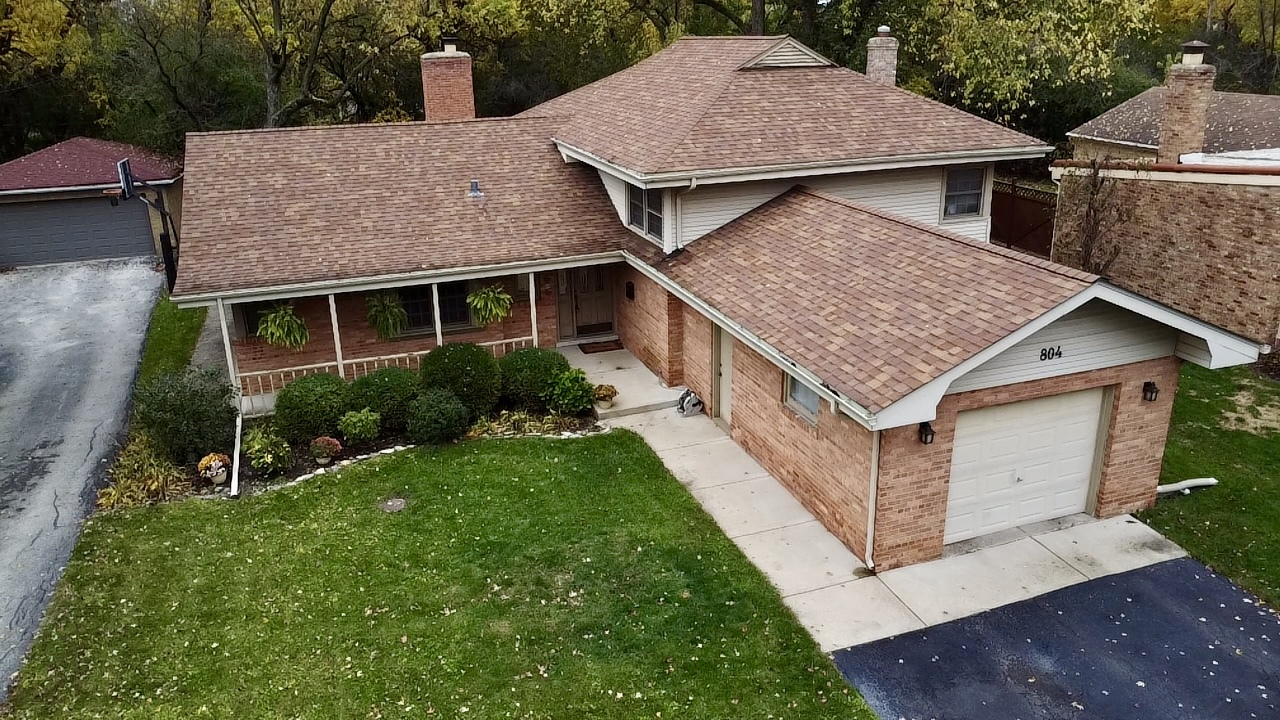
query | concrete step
[620, 410]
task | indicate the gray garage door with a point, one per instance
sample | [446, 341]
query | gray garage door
[52, 231]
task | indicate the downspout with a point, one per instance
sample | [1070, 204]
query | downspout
[871, 498]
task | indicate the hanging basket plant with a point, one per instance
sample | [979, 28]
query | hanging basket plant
[281, 326]
[489, 304]
[386, 314]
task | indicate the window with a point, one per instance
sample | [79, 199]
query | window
[644, 211]
[454, 311]
[246, 317]
[964, 192]
[802, 400]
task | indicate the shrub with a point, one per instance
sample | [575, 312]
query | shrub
[310, 406]
[437, 417]
[187, 413]
[360, 428]
[527, 375]
[571, 394]
[267, 451]
[468, 371]
[325, 447]
[388, 392]
[140, 475]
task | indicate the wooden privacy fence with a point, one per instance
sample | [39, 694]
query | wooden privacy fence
[1022, 217]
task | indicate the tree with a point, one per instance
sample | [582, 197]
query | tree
[1244, 35]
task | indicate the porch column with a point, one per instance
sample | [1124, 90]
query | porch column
[533, 306]
[435, 313]
[232, 371]
[337, 339]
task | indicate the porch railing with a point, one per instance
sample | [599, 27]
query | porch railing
[268, 382]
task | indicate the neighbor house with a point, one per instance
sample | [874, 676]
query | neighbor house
[52, 206]
[803, 245]
[1175, 195]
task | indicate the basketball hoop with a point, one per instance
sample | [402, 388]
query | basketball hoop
[126, 179]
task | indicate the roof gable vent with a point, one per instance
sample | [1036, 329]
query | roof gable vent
[787, 53]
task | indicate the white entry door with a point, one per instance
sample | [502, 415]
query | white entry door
[1021, 463]
[723, 401]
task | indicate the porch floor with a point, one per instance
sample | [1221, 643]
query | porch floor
[638, 389]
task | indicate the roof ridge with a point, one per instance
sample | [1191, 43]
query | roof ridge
[1024, 258]
[403, 123]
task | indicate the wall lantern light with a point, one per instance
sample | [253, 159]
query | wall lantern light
[926, 433]
[1150, 391]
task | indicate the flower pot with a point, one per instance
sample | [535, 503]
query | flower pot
[322, 461]
[219, 478]
[604, 404]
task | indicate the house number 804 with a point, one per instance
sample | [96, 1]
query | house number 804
[1050, 353]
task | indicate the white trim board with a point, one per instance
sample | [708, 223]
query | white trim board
[794, 170]
[1192, 175]
[1111, 141]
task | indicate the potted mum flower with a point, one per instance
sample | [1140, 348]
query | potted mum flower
[605, 395]
[213, 467]
[324, 449]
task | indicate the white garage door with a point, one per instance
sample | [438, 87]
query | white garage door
[1022, 462]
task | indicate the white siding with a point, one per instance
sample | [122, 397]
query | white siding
[978, 228]
[1097, 335]
[788, 55]
[916, 194]
[617, 189]
[1194, 349]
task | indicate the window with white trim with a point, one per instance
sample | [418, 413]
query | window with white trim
[964, 192]
[454, 311]
[802, 400]
[644, 210]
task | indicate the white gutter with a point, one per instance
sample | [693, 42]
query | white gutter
[1111, 141]
[772, 172]
[77, 188]
[324, 287]
[871, 499]
[1193, 174]
[863, 416]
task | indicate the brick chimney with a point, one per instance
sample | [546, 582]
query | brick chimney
[446, 84]
[882, 57]
[1188, 92]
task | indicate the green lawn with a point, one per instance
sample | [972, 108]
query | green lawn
[1234, 527]
[526, 578]
[171, 338]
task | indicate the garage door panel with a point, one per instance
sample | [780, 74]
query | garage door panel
[51, 231]
[1021, 463]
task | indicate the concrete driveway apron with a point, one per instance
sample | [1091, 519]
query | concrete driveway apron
[70, 339]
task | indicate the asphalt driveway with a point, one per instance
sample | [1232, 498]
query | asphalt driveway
[1166, 642]
[70, 338]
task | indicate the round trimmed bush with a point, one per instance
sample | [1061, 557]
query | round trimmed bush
[528, 375]
[310, 407]
[468, 371]
[188, 413]
[571, 394]
[437, 417]
[388, 392]
[360, 427]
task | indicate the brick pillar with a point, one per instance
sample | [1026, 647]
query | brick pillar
[1188, 92]
[446, 86]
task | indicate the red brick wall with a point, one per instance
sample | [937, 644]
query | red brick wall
[911, 502]
[447, 93]
[651, 325]
[360, 341]
[696, 351]
[1211, 251]
[826, 466]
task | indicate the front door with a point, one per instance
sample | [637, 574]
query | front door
[586, 301]
[722, 403]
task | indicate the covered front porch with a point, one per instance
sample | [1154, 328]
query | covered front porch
[549, 308]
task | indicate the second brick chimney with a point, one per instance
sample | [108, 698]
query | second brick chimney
[1188, 92]
[447, 93]
[882, 57]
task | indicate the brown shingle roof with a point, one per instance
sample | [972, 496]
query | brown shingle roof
[272, 207]
[689, 107]
[83, 161]
[875, 305]
[1237, 121]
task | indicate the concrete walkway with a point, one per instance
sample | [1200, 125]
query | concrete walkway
[832, 593]
[638, 389]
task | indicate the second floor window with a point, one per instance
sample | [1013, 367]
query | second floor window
[964, 192]
[644, 211]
